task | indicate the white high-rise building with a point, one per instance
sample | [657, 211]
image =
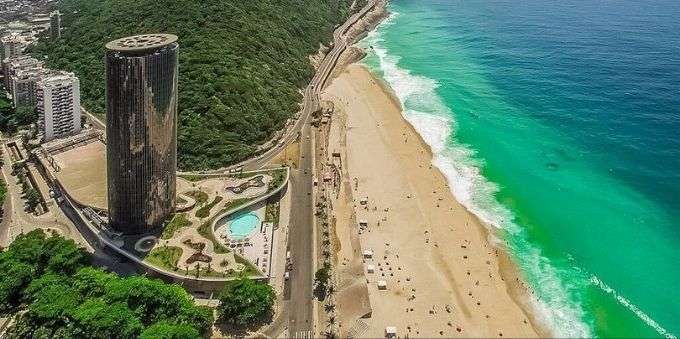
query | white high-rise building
[11, 45]
[58, 104]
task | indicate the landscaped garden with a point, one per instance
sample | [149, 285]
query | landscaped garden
[200, 196]
[188, 245]
[178, 221]
[165, 257]
[204, 211]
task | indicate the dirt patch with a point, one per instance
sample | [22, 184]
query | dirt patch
[83, 173]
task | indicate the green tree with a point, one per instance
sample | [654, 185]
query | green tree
[29, 256]
[14, 278]
[166, 330]
[3, 190]
[25, 115]
[53, 304]
[32, 198]
[321, 277]
[64, 255]
[92, 282]
[63, 297]
[242, 63]
[246, 301]
[99, 319]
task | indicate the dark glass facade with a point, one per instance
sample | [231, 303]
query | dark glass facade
[141, 129]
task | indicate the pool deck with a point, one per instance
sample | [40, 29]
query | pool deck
[258, 248]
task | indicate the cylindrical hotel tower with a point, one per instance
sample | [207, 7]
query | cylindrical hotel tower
[141, 131]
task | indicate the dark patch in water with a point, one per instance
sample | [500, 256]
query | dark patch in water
[552, 166]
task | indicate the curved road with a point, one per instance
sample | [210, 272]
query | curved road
[311, 93]
[298, 298]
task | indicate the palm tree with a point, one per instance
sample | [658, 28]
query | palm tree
[329, 307]
[331, 289]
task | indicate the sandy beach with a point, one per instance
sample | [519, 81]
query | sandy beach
[443, 277]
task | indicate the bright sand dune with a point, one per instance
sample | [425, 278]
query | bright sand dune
[432, 252]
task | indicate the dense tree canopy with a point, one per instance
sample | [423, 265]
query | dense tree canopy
[246, 301]
[29, 257]
[63, 297]
[12, 118]
[242, 63]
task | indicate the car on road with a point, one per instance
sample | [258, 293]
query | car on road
[286, 275]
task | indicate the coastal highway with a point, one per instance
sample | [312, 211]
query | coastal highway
[310, 101]
[301, 242]
[301, 237]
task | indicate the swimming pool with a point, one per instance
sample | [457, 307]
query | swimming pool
[241, 225]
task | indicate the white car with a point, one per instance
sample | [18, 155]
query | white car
[286, 275]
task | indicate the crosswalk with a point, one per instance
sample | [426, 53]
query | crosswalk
[303, 334]
[358, 329]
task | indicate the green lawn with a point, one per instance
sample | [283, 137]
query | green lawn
[200, 196]
[178, 221]
[249, 270]
[165, 257]
[3, 191]
[278, 177]
[204, 211]
[236, 202]
[271, 213]
[204, 231]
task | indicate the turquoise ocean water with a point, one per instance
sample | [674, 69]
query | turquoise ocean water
[559, 124]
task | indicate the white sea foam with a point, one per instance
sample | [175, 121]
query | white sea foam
[629, 305]
[433, 120]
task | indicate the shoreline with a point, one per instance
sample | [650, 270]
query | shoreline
[511, 310]
[520, 291]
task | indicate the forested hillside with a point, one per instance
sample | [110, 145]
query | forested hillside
[242, 62]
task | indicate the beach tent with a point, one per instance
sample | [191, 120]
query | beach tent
[368, 254]
[382, 284]
[390, 332]
[370, 268]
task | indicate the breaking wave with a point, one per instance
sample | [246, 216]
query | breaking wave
[555, 307]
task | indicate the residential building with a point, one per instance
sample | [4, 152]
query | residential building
[11, 65]
[55, 25]
[58, 105]
[11, 45]
[24, 84]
